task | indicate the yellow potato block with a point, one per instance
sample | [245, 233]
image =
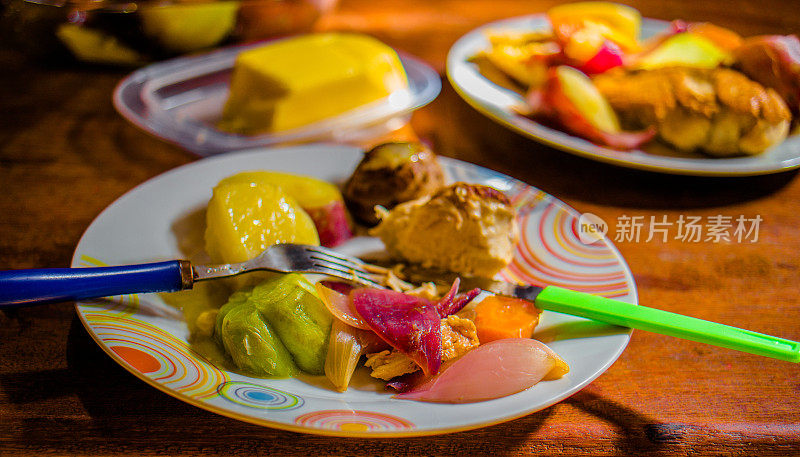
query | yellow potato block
[243, 219]
[307, 191]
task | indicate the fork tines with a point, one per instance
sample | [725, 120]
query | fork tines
[341, 265]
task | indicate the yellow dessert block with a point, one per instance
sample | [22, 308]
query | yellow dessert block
[298, 81]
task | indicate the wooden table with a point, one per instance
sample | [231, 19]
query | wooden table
[65, 154]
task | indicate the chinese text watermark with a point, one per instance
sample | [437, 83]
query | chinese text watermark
[687, 229]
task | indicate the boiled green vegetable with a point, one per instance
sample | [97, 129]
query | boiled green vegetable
[236, 300]
[275, 327]
[291, 306]
[252, 344]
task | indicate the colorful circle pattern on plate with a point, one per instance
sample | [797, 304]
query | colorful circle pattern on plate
[551, 253]
[157, 355]
[353, 421]
[257, 396]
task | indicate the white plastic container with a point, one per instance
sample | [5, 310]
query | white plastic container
[180, 100]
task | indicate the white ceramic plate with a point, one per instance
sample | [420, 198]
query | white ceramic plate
[496, 102]
[149, 337]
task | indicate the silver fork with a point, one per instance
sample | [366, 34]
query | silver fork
[49, 285]
[294, 258]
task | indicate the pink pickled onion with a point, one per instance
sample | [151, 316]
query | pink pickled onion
[338, 286]
[492, 370]
[408, 323]
[451, 303]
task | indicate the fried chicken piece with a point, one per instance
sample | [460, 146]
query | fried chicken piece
[459, 336]
[387, 364]
[719, 111]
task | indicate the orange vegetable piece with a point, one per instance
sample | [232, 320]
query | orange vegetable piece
[505, 317]
[726, 39]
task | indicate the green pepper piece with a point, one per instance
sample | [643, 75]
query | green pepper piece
[291, 306]
[252, 344]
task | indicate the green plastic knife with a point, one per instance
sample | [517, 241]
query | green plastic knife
[561, 300]
[616, 312]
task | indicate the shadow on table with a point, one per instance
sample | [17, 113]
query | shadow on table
[126, 415]
[636, 434]
[568, 176]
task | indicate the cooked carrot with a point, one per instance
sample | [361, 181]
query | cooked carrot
[504, 317]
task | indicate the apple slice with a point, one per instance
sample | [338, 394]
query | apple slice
[607, 57]
[576, 103]
[526, 63]
[589, 50]
[685, 49]
[614, 22]
[90, 45]
[572, 91]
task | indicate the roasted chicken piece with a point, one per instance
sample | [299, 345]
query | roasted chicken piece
[774, 61]
[468, 229]
[459, 336]
[719, 111]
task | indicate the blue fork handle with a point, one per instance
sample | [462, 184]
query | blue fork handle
[49, 285]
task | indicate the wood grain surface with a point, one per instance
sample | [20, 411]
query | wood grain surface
[65, 154]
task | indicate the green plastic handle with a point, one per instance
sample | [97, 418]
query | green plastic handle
[615, 312]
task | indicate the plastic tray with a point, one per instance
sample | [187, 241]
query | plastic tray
[179, 100]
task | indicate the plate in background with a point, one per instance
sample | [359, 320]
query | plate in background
[496, 103]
